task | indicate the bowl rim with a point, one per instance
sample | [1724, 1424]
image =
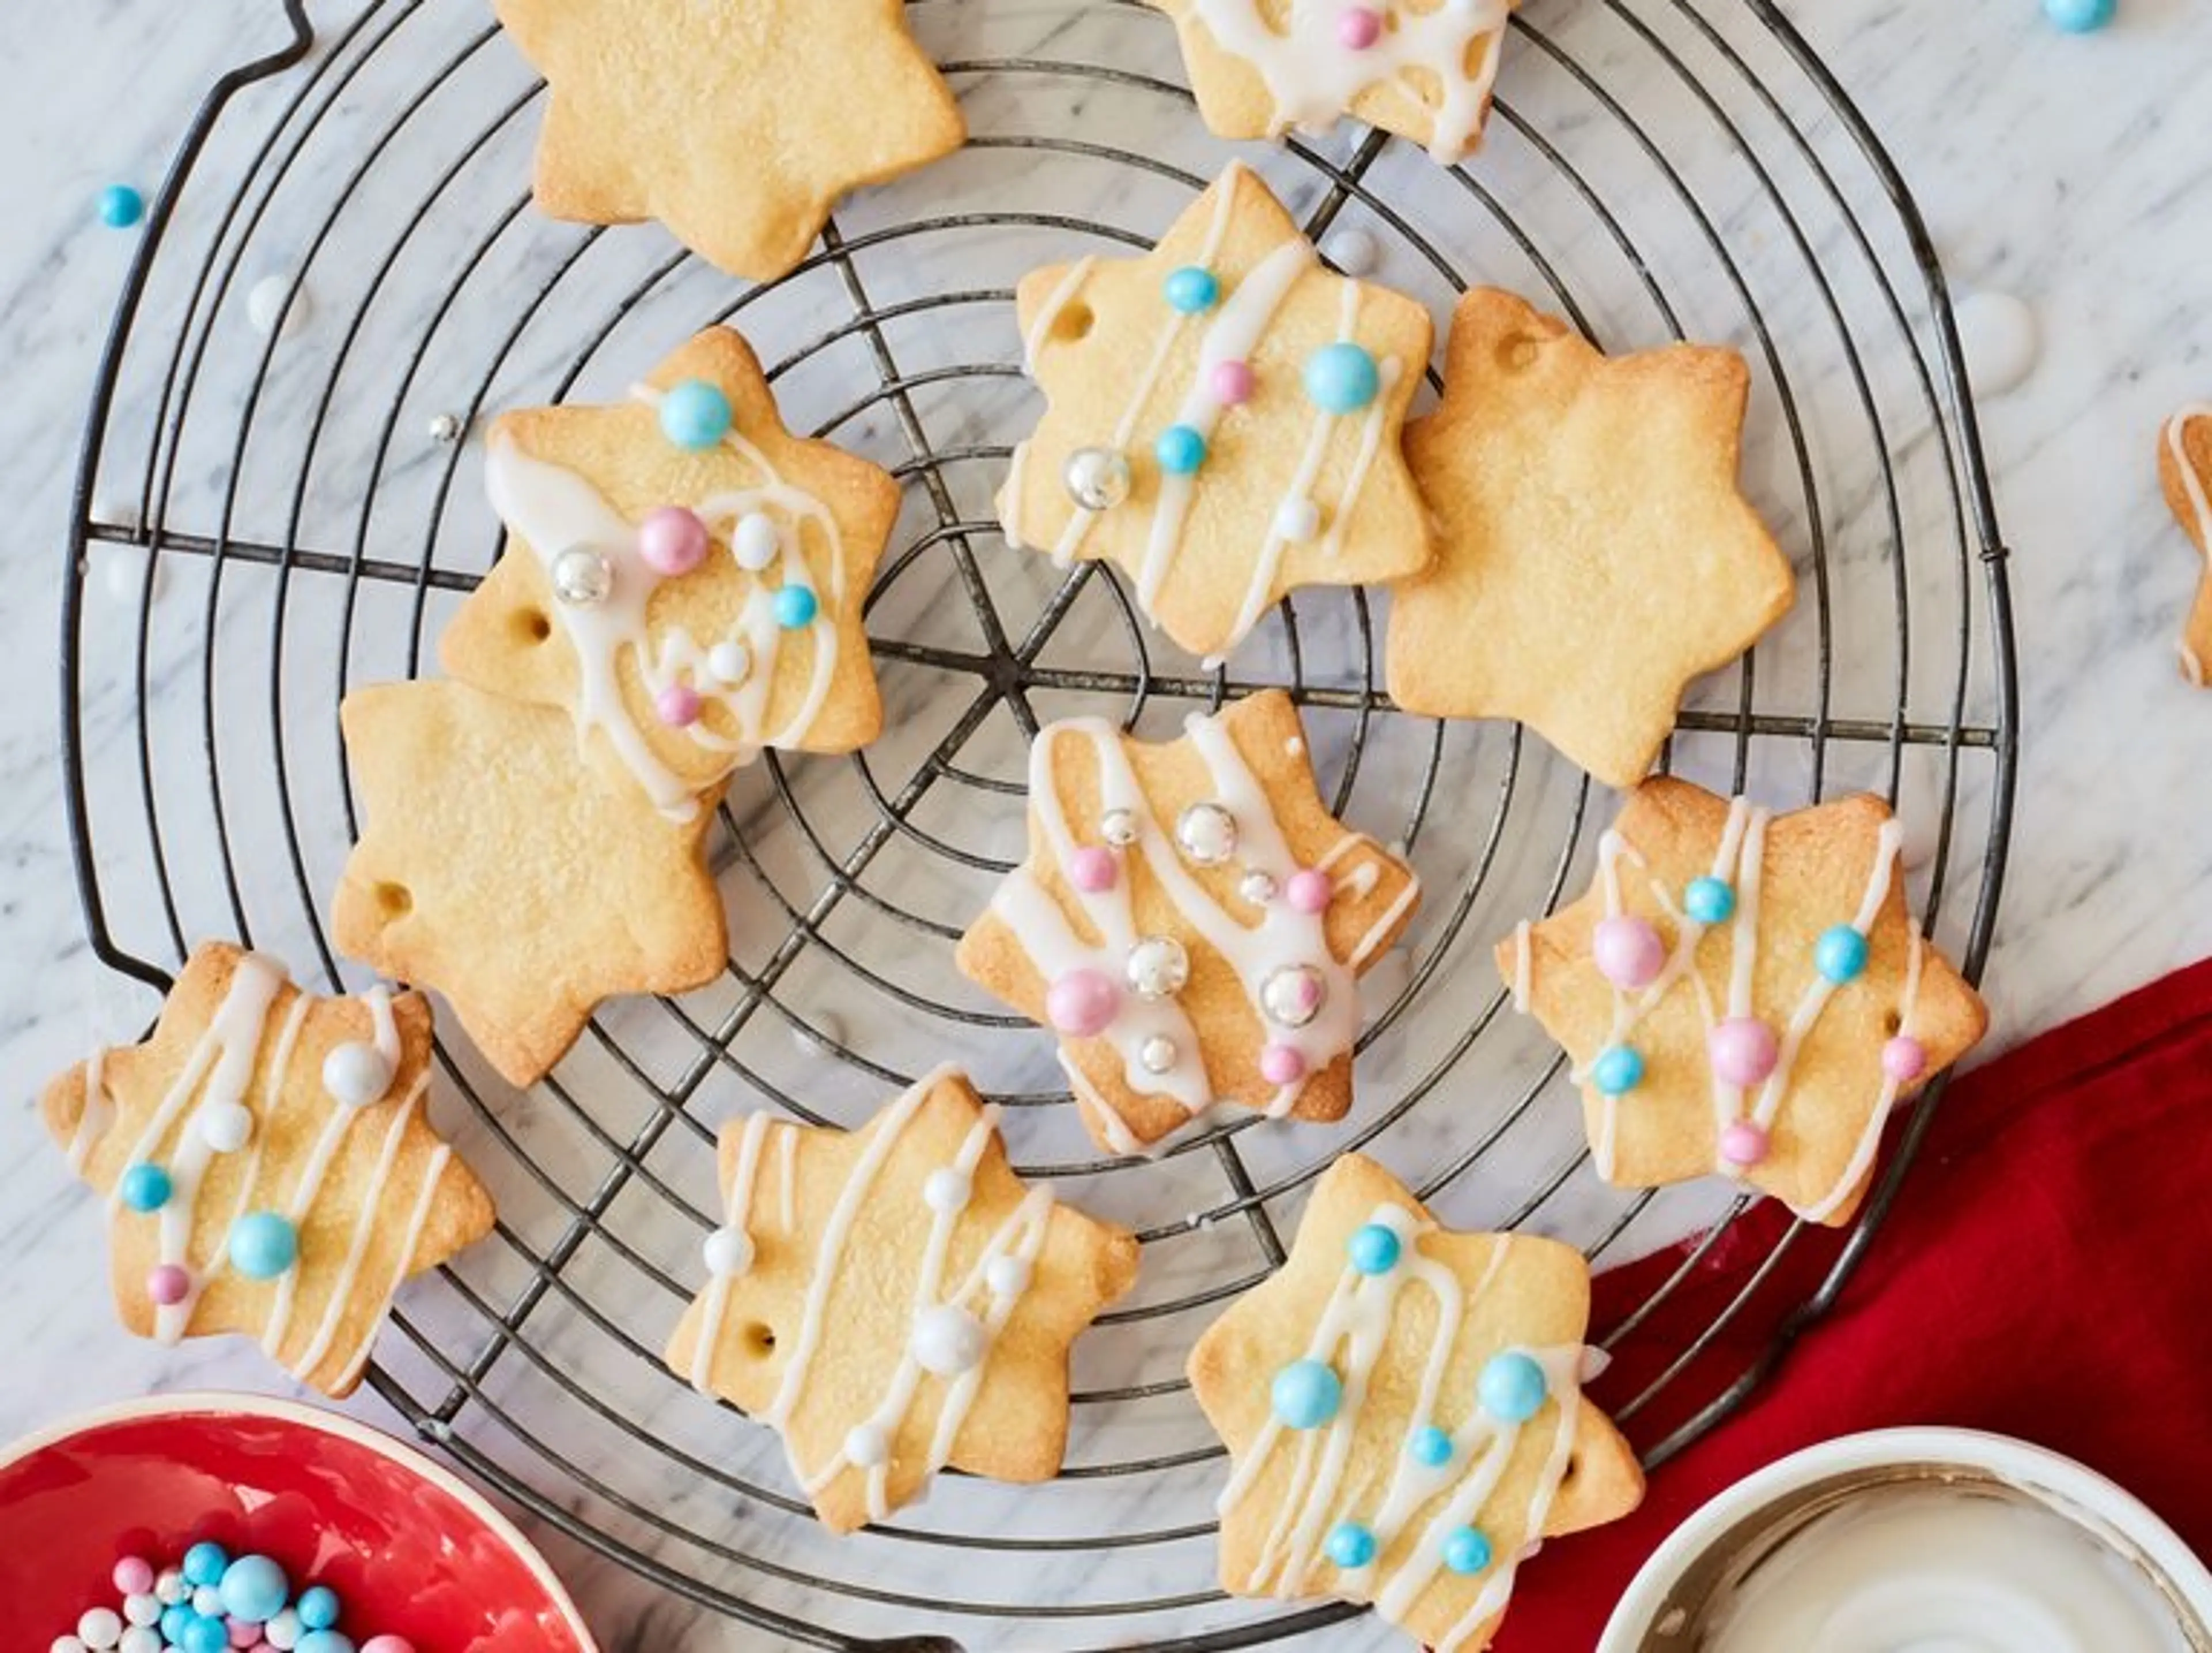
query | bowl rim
[2035, 1469]
[213, 1403]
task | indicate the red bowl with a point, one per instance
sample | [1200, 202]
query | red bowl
[411, 1549]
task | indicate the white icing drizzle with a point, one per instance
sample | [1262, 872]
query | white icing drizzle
[364, 1231]
[1283, 937]
[786, 1174]
[1314, 78]
[737, 1218]
[1520, 951]
[1863, 1154]
[2177, 441]
[249, 1180]
[384, 1025]
[97, 1117]
[1055, 305]
[552, 510]
[417, 1220]
[1351, 1336]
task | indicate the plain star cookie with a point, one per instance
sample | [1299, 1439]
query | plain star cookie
[1425, 71]
[522, 884]
[269, 1166]
[2184, 466]
[682, 574]
[736, 124]
[1745, 994]
[1222, 422]
[1591, 532]
[1402, 1405]
[894, 1299]
[1191, 921]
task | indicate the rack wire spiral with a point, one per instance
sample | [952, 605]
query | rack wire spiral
[265, 519]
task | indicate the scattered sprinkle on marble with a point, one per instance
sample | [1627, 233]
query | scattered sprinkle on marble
[267, 308]
[2079, 16]
[1997, 333]
[445, 427]
[120, 206]
[1351, 251]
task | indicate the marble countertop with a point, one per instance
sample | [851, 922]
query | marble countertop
[2068, 173]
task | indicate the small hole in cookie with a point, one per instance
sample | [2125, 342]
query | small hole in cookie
[1893, 1025]
[1073, 323]
[758, 1339]
[1519, 351]
[394, 900]
[533, 625]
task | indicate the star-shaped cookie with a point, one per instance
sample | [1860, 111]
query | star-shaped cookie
[1402, 1405]
[1424, 71]
[1745, 994]
[689, 604]
[894, 1299]
[2184, 470]
[269, 1165]
[1594, 551]
[1223, 420]
[737, 124]
[1191, 921]
[523, 885]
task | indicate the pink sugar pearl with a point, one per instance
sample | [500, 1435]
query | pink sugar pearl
[672, 540]
[1082, 1003]
[244, 1633]
[678, 705]
[1093, 870]
[1742, 1050]
[1233, 383]
[387, 1644]
[168, 1284]
[1744, 1143]
[1281, 1064]
[1359, 29]
[1904, 1059]
[1629, 952]
[134, 1576]
[1309, 891]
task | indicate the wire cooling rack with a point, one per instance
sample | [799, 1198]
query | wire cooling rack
[271, 513]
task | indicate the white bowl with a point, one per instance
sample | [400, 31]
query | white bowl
[1759, 1512]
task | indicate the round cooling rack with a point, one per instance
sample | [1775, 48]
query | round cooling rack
[273, 512]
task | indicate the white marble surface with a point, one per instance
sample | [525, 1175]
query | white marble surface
[2069, 172]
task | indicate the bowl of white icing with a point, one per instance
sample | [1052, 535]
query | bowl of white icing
[1919, 1540]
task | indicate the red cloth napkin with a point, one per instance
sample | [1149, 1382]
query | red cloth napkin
[2043, 1273]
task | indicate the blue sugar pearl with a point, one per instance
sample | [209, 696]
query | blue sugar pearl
[1840, 955]
[318, 1606]
[1373, 1248]
[695, 415]
[121, 206]
[1306, 1393]
[263, 1245]
[204, 1635]
[254, 1589]
[173, 1620]
[324, 1641]
[796, 606]
[145, 1188]
[1350, 1546]
[204, 1562]
[1709, 901]
[2079, 16]
[1467, 1550]
[1512, 1388]
[1341, 378]
[1180, 450]
[1192, 291]
[1619, 1069]
[1430, 1447]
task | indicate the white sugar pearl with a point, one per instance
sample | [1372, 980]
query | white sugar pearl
[99, 1628]
[356, 1074]
[140, 1639]
[169, 1586]
[1006, 1276]
[141, 1609]
[729, 661]
[1207, 833]
[227, 1126]
[1293, 994]
[1157, 1053]
[65, 1644]
[866, 1446]
[207, 1602]
[581, 577]
[1097, 478]
[1257, 887]
[1998, 335]
[1118, 827]
[946, 1191]
[444, 428]
[1351, 251]
[283, 1632]
[729, 1253]
[1298, 520]
[1158, 967]
[268, 309]
[756, 542]
[948, 1340]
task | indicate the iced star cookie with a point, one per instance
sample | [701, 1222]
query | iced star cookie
[894, 1299]
[1745, 994]
[269, 1166]
[736, 124]
[1223, 420]
[1402, 1406]
[2184, 468]
[521, 884]
[1590, 530]
[682, 574]
[1423, 70]
[1191, 921]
